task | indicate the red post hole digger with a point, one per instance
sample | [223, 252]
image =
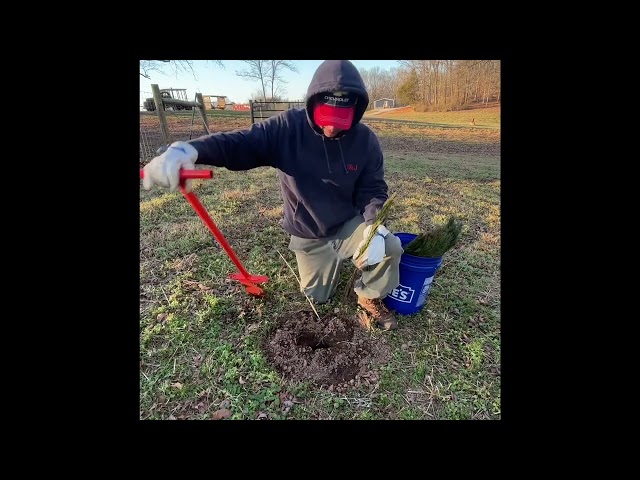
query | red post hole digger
[249, 281]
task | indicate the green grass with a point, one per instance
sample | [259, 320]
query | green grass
[201, 335]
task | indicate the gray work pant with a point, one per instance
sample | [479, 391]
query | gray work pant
[320, 260]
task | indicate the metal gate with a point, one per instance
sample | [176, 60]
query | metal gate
[261, 110]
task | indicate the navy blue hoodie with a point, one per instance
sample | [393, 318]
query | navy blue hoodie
[324, 181]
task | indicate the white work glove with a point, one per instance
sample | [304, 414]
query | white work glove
[164, 170]
[375, 252]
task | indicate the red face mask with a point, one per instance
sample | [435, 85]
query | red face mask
[334, 110]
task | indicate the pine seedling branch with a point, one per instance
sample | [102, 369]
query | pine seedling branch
[436, 241]
[380, 219]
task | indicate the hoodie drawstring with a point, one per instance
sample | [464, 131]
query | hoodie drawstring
[326, 155]
[341, 155]
[343, 164]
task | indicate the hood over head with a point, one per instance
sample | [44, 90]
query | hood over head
[343, 78]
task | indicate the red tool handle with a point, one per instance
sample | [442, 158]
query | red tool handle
[189, 174]
[244, 277]
[204, 216]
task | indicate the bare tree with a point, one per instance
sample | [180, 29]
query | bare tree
[453, 84]
[275, 78]
[256, 70]
[268, 73]
[382, 83]
[177, 66]
[258, 95]
[427, 79]
[372, 81]
[397, 76]
[278, 93]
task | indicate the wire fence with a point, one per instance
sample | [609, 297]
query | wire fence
[143, 97]
[150, 141]
[183, 125]
[179, 127]
[187, 124]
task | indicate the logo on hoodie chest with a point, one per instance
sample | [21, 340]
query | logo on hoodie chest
[332, 165]
[345, 173]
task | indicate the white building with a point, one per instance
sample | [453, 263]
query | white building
[384, 103]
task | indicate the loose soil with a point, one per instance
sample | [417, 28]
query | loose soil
[336, 351]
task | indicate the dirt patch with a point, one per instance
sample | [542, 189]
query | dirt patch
[334, 351]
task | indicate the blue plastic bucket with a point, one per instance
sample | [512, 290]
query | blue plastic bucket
[416, 277]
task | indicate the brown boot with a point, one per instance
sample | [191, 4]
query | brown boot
[380, 313]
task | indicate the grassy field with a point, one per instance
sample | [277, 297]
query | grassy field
[481, 117]
[202, 335]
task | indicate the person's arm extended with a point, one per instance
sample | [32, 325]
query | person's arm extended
[254, 147]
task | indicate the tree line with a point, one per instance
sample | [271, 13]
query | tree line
[427, 85]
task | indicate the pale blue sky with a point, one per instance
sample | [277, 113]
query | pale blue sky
[214, 80]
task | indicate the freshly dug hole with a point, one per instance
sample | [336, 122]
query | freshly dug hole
[333, 351]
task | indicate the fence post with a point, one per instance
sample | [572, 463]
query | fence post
[251, 110]
[157, 98]
[203, 112]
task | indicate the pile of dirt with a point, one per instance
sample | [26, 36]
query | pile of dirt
[334, 351]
